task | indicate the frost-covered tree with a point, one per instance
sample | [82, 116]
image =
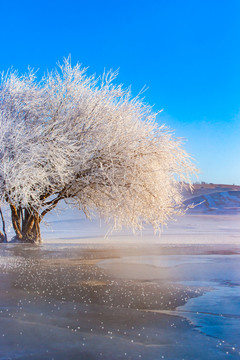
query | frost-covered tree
[83, 138]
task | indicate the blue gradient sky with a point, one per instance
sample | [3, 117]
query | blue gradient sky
[187, 52]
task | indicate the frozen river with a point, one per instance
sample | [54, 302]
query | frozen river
[119, 302]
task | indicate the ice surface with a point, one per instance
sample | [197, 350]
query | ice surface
[58, 302]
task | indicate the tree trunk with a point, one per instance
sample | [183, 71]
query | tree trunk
[26, 224]
[3, 236]
[31, 233]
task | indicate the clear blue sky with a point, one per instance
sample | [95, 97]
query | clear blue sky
[187, 52]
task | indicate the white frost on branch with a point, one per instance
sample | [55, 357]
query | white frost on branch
[83, 138]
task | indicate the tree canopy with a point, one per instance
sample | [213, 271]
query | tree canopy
[71, 136]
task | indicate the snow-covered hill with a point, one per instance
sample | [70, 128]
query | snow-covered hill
[215, 202]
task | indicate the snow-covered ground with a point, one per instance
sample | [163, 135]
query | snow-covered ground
[189, 229]
[71, 227]
[215, 220]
